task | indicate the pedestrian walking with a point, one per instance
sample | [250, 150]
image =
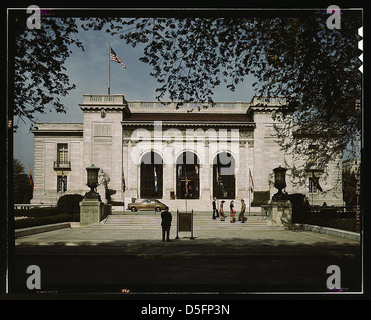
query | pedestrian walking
[221, 211]
[166, 219]
[215, 210]
[233, 212]
[241, 217]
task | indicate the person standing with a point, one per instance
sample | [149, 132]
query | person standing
[241, 217]
[221, 211]
[231, 206]
[215, 210]
[166, 219]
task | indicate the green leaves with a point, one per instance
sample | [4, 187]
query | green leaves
[40, 77]
[299, 58]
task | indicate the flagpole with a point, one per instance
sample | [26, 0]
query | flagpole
[109, 68]
[249, 192]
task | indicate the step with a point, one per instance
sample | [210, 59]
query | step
[200, 222]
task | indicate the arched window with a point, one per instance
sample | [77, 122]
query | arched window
[224, 182]
[187, 176]
[151, 176]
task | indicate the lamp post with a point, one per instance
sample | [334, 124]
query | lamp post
[279, 183]
[280, 208]
[92, 182]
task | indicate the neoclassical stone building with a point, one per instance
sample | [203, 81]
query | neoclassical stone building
[168, 152]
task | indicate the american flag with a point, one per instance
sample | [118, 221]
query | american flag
[252, 182]
[115, 57]
[64, 187]
[123, 183]
[156, 180]
[31, 180]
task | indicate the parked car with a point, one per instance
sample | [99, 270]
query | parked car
[147, 204]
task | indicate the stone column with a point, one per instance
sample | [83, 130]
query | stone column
[242, 173]
[205, 174]
[167, 180]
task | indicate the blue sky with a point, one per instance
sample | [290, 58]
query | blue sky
[89, 71]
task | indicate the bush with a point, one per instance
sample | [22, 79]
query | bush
[300, 207]
[117, 203]
[260, 198]
[342, 224]
[69, 203]
[67, 210]
[40, 221]
[36, 212]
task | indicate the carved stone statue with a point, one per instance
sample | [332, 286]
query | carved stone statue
[104, 178]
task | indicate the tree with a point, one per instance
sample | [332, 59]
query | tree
[22, 191]
[39, 73]
[349, 187]
[297, 57]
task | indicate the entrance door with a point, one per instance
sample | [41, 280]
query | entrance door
[187, 176]
[151, 176]
[224, 182]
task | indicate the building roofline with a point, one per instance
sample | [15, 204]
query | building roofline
[67, 128]
[189, 123]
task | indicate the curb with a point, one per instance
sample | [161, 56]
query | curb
[197, 256]
[297, 226]
[330, 231]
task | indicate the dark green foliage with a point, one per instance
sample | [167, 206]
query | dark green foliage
[342, 224]
[36, 212]
[349, 188]
[44, 220]
[48, 215]
[39, 57]
[300, 207]
[290, 55]
[260, 198]
[117, 203]
[325, 217]
[22, 190]
[69, 203]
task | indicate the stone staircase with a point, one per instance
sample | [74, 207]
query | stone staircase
[203, 221]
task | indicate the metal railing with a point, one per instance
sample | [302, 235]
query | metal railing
[62, 164]
[30, 206]
[332, 209]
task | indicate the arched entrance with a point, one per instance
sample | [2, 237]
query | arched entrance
[151, 176]
[187, 176]
[224, 181]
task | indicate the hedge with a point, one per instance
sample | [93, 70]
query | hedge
[260, 198]
[69, 203]
[40, 221]
[117, 203]
[36, 212]
[67, 210]
[342, 224]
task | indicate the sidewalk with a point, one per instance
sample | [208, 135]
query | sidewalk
[100, 259]
[139, 242]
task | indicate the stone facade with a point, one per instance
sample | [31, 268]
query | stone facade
[194, 151]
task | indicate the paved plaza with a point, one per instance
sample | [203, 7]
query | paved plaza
[236, 257]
